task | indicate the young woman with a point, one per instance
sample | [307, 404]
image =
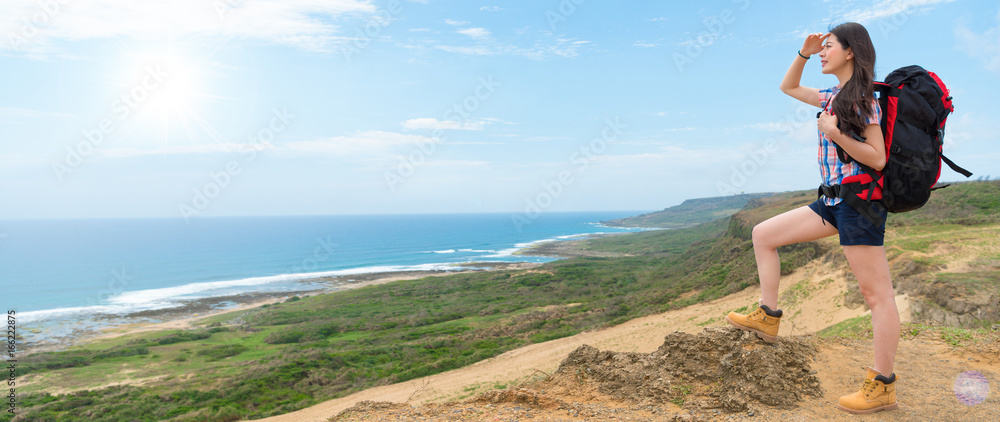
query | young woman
[847, 53]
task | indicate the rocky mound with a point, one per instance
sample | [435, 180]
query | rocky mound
[723, 369]
[718, 368]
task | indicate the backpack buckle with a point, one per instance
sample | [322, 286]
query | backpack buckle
[830, 191]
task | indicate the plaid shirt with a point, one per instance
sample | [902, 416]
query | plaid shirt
[831, 169]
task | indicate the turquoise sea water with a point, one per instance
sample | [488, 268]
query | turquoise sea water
[59, 273]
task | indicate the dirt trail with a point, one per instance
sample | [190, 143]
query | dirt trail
[812, 297]
[927, 369]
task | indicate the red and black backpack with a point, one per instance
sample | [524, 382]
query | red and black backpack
[915, 106]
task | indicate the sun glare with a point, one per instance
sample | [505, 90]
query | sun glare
[163, 99]
[178, 93]
[181, 95]
[172, 87]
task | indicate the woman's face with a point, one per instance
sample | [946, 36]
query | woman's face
[833, 57]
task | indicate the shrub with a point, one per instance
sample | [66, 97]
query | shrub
[183, 336]
[222, 352]
[122, 352]
[284, 337]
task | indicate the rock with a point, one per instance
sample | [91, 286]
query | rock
[720, 367]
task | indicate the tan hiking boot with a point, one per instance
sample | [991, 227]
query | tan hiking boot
[762, 321]
[877, 393]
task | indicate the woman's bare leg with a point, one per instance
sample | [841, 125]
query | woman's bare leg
[795, 226]
[872, 271]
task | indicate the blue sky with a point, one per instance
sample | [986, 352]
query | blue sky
[119, 108]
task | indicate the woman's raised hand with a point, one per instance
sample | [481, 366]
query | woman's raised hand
[814, 43]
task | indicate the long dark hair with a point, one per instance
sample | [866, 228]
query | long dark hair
[856, 95]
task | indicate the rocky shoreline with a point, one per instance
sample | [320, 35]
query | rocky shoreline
[185, 315]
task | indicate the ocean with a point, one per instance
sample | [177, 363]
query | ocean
[63, 277]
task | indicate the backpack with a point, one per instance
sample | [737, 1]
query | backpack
[915, 106]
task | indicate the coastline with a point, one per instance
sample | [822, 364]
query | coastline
[193, 311]
[573, 248]
[188, 314]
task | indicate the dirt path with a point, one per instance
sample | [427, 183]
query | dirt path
[812, 297]
[927, 369]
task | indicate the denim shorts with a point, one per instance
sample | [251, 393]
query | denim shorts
[854, 229]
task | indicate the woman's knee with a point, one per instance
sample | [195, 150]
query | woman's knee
[877, 294]
[872, 272]
[762, 236]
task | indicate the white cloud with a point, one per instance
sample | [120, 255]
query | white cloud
[469, 50]
[797, 34]
[535, 138]
[984, 46]
[723, 170]
[542, 48]
[490, 8]
[768, 126]
[459, 163]
[781, 131]
[432, 123]
[474, 32]
[677, 154]
[867, 12]
[453, 22]
[367, 143]
[527, 42]
[861, 11]
[643, 44]
[970, 129]
[706, 40]
[969, 142]
[214, 148]
[39, 27]
[20, 113]
[8, 161]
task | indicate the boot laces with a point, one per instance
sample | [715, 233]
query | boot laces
[869, 387]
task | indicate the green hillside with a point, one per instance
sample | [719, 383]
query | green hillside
[689, 213]
[284, 357]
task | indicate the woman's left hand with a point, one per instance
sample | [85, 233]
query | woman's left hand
[827, 123]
